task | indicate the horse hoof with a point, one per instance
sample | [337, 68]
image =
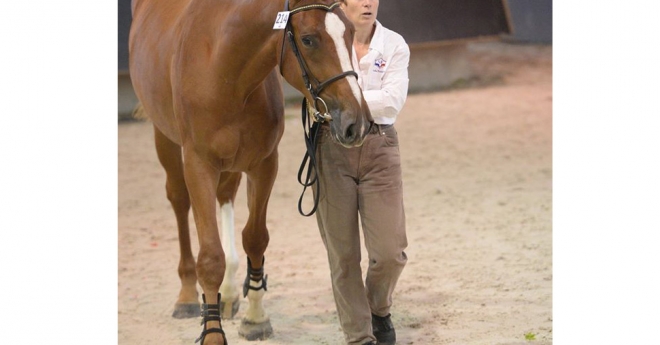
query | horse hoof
[228, 312]
[185, 311]
[255, 331]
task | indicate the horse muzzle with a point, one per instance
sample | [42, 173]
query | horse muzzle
[349, 131]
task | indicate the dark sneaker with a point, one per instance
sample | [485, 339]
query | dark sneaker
[383, 329]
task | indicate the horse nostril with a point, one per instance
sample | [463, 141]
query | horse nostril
[350, 133]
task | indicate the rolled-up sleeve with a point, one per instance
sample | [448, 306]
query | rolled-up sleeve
[389, 99]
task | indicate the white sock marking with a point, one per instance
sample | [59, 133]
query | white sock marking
[229, 288]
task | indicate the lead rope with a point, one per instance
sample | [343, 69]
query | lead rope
[310, 130]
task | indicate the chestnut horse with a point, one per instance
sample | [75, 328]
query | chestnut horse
[205, 74]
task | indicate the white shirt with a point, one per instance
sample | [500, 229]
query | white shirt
[383, 74]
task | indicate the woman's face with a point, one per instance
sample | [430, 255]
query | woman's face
[362, 13]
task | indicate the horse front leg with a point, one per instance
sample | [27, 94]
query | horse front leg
[169, 155]
[256, 323]
[202, 181]
[226, 194]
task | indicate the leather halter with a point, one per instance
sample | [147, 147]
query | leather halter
[311, 130]
[307, 76]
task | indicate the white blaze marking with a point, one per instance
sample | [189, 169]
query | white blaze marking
[336, 28]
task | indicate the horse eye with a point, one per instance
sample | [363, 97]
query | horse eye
[307, 41]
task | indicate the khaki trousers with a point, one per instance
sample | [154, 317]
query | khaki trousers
[364, 181]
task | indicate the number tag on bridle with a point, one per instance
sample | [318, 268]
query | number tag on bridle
[281, 20]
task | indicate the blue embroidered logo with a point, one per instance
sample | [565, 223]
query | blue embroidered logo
[380, 63]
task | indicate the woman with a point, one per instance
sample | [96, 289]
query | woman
[366, 181]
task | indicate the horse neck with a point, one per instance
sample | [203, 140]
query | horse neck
[246, 44]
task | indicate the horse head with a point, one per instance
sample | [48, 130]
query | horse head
[316, 60]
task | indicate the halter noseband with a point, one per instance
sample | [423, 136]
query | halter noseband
[306, 74]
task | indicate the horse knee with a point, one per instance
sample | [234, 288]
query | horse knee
[210, 268]
[255, 242]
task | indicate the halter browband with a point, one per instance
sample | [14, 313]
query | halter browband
[313, 6]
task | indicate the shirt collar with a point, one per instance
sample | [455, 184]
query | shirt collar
[378, 41]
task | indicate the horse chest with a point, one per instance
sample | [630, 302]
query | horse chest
[234, 148]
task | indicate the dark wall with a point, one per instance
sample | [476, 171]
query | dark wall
[440, 20]
[532, 20]
[416, 20]
[124, 27]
